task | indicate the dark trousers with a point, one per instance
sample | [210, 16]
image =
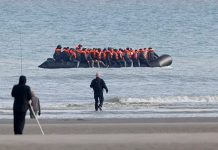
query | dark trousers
[99, 99]
[19, 121]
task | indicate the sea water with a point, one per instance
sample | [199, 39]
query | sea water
[187, 30]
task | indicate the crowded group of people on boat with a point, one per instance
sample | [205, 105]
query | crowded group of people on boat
[104, 57]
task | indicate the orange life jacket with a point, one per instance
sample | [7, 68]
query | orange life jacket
[78, 53]
[142, 53]
[115, 55]
[120, 55]
[67, 51]
[97, 56]
[92, 53]
[131, 53]
[135, 55]
[83, 53]
[102, 55]
[108, 54]
[72, 53]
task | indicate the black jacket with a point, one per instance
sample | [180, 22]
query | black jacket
[98, 85]
[22, 95]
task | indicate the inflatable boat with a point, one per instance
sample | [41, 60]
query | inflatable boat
[161, 61]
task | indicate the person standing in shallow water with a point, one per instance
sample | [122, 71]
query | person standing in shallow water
[98, 85]
[22, 95]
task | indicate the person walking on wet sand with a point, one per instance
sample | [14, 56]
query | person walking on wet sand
[98, 85]
[22, 95]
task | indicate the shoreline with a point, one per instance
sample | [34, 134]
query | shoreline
[107, 126]
[116, 120]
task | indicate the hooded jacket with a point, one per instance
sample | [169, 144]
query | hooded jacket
[22, 95]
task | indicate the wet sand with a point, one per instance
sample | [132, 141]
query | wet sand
[118, 134]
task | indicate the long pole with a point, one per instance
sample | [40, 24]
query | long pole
[36, 119]
[21, 56]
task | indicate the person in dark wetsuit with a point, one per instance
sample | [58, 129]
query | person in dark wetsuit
[98, 85]
[22, 96]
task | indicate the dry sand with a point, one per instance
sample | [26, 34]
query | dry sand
[116, 134]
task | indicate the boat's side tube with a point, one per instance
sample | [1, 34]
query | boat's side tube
[163, 60]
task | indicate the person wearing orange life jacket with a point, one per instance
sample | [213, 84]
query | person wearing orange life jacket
[114, 55]
[108, 54]
[94, 56]
[72, 55]
[120, 59]
[92, 53]
[78, 57]
[102, 56]
[83, 54]
[130, 52]
[57, 54]
[143, 56]
[135, 58]
[127, 58]
[90, 57]
[65, 55]
[97, 52]
[115, 58]
[98, 58]
[143, 53]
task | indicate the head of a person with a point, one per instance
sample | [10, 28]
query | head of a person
[59, 46]
[97, 75]
[22, 80]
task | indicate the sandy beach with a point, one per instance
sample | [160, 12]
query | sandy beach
[119, 134]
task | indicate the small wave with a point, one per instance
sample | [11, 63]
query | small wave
[163, 100]
[73, 105]
[114, 100]
[120, 107]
